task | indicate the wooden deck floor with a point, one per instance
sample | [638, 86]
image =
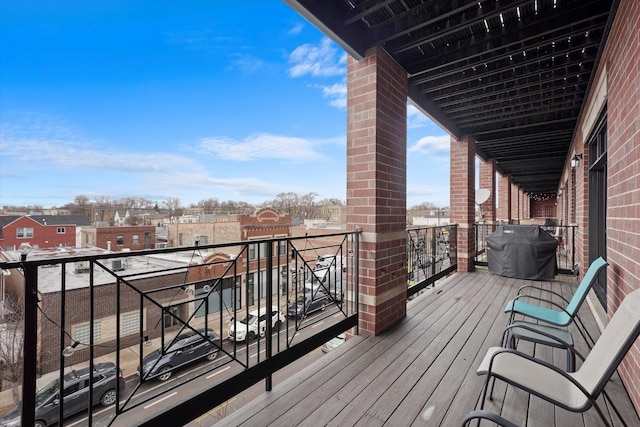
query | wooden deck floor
[423, 372]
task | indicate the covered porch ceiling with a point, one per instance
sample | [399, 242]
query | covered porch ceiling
[513, 74]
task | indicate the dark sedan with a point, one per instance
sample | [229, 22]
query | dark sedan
[75, 392]
[186, 348]
[307, 303]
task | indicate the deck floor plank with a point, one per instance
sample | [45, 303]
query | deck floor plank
[423, 371]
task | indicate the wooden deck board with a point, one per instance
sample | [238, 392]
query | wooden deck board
[423, 371]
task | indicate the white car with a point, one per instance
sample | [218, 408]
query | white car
[255, 324]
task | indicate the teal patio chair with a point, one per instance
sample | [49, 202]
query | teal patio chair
[573, 391]
[563, 315]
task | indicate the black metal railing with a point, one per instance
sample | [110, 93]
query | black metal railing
[140, 309]
[565, 251]
[431, 255]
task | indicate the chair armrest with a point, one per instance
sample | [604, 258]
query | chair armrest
[480, 414]
[518, 297]
[540, 332]
[544, 290]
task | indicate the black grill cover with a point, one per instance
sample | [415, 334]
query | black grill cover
[523, 252]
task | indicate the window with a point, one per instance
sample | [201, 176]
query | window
[257, 250]
[24, 232]
[282, 248]
[130, 323]
[119, 240]
[73, 388]
[136, 239]
[61, 230]
[82, 333]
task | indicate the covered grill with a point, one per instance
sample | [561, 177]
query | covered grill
[522, 252]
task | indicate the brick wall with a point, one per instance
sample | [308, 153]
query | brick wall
[77, 311]
[462, 199]
[504, 197]
[623, 170]
[376, 185]
[488, 181]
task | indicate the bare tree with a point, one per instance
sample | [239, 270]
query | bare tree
[172, 203]
[208, 205]
[12, 344]
[102, 204]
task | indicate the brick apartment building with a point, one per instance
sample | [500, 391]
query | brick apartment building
[40, 231]
[134, 237]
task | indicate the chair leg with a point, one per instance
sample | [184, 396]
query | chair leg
[615, 409]
[484, 391]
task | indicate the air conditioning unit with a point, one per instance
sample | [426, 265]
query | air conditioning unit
[82, 266]
[117, 265]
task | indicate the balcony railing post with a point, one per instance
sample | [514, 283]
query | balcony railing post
[30, 341]
[269, 319]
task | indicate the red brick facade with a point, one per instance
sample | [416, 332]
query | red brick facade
[488, 181]
[134, 237]
[621, 66]
[25, 229]
[462, 199]
[504, 199]
[376, 185]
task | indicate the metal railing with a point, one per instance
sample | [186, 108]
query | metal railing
[431, 255]
[126, 307]
[139, 309]
[565, 251]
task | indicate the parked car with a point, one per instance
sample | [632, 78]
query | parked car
[255, 323]
[308, 303]
[186, 348]
[333, 342]
[326, 278]
[75, 395]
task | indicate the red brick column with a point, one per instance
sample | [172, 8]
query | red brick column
[488, 181]
[376, 185]
[515, 202]
[504, 199]
[462, 199]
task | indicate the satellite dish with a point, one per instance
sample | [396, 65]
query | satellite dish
[482, 195]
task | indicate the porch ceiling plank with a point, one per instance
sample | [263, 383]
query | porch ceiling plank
[485, 69]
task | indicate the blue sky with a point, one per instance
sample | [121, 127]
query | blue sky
[234, 100]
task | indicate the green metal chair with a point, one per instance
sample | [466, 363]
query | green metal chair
[573, 391]
[560, 315]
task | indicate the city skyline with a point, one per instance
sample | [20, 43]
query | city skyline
[205, 100]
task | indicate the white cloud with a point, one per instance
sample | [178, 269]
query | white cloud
[246, 64]
[261, 146]
[76, 156]
[323, 60]
[431, 145]
[296, 29]
[337, 93]
[416, 118]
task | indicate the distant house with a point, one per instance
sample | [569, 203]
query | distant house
[115, 239]
[134, 217]
[40, 231]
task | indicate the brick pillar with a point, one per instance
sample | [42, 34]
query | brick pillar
[376, 185]
[504, 199]
[462, 199]
[488, 181]
[515, 202]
